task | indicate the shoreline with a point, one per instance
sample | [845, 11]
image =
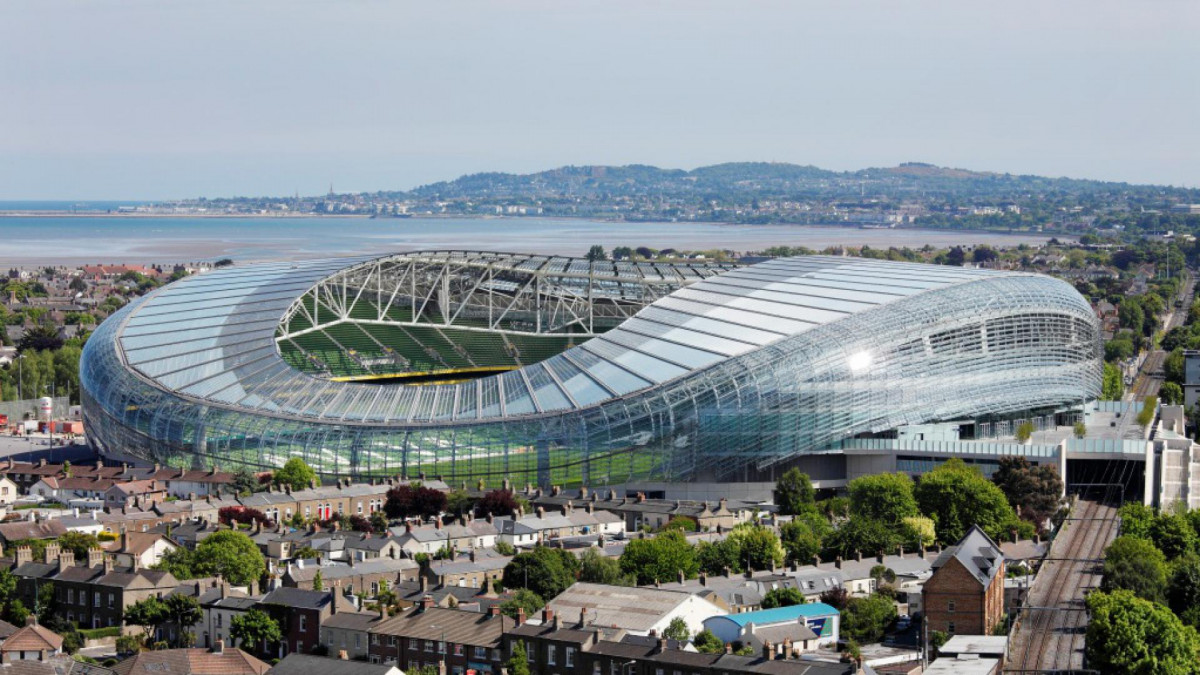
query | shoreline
[104, 215]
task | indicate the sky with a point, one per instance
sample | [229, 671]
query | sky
[186, 98]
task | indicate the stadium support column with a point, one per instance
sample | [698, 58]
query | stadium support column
[542, 448]
[201, 443]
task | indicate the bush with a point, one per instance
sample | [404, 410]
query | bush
[98, 633]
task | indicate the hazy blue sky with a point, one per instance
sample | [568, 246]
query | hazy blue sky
[173, 98]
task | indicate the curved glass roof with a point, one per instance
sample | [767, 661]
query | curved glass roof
[211, 336]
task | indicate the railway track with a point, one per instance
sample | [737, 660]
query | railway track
[1050, 635]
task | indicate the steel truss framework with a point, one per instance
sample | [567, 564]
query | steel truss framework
[721, 379]
[495, 292]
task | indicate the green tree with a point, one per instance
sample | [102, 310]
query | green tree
[1080, 430]
[799, 541]
[8, 587]
[596, 253]
[866, 619]
[782, 597]
[660, 559]
[1183, 589]
[146, 613]
[794, 493]
[254, 628]
[231, 554]
[714, 558]
[1173, 535]
[957, 496]
[184, 611]
[1135, 565]
[78, 543]
[707, 643]
[886, 497]
[545, 571]
[757, 545]
[862, 535]
[597, 568]
[318, 581]
[518, 663]
[1136, 519]
[1171, 393]
[918, 531]
[295, 473]
[678, 630]
[1149, 408]
[245, 482]
[1112, 385]
[1127, 634]
[522, 598]
[16, 613]
[1024, 431]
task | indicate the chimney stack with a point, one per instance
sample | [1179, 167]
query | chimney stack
[219, 647]
[520, 616]
[768, 651]
[547, 615]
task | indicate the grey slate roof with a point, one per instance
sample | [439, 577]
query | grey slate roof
[977, 553]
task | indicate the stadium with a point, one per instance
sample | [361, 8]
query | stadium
[554, 370]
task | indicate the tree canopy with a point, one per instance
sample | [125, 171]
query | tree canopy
[545, 571]
[1135, 565]
[295, 473]
[254, 628]
[794, 493]
[1128, 634]
[660, 558]
[957, 496]
[229, 553]
[887, 497]
[600, 569]
[1034, 489]
[866, 619]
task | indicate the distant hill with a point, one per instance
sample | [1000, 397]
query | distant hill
[735, 180]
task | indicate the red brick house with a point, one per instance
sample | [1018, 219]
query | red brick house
[965, 595]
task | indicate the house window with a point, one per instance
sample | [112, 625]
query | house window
[458, 650]
[614, 669]
[950, 606]
[375, 638]
[551, 656]
[457, 670]
[429, 645]
[112, 600]
[96, 599]
[299, 647]
[570, 657]
[357, 640]
[303, 623]
[219, 619]
[950, 627]
[596, 668]
[495, 654]
[392, 641]
[374, 588]
[70, 596]
[441, 647]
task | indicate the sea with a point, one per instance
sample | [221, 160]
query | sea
[93, 235]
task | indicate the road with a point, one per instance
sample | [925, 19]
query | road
[1050, 634]
[1150, 377]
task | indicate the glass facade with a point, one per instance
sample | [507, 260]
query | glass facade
[719, 375]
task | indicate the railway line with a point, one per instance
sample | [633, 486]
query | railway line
[1050, 631]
